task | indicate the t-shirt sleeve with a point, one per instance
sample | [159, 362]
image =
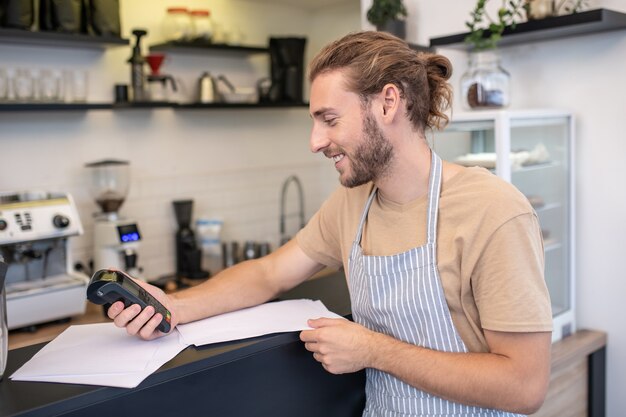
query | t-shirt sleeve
[320, 238]
[508, 282]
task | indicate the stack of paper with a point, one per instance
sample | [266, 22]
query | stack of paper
[99, 354]
[102, 354]
[283, 316]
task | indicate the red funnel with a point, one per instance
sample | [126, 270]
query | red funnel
[155, 61]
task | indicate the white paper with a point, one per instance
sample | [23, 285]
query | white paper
[99, 354]
[102, 354]
[275, 317]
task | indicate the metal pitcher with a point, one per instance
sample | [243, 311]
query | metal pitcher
[4, 331]
[207, 89]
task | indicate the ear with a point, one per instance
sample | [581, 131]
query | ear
[391, 102]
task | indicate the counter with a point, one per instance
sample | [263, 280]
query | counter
[271, 375]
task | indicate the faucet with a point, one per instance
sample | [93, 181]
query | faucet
[283, 194]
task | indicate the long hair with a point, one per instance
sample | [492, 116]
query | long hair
[373, 59]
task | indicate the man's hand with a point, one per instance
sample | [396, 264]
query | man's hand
[340, 345]
[142, 323]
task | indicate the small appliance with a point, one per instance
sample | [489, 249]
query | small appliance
[158, 89]
[286, 69]
[188, 254]
[116, 239]
[137, 74]
[41, 284]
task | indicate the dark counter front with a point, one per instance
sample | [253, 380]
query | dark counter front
[272, 375]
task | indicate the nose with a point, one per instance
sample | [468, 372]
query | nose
[318, 141]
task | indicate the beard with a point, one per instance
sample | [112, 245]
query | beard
[371, 158]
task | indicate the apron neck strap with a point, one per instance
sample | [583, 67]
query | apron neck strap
[434, 188]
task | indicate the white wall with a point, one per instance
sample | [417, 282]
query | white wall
[584, 74]
[231, 162]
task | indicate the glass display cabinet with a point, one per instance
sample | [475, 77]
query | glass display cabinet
[532, 150]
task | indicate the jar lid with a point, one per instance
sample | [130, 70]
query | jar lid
[177, 10]
[200, 13]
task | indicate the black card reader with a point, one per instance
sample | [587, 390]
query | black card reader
[111, 285]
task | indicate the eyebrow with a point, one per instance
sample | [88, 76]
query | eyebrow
[320, 112]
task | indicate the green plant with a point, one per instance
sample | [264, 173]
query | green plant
[487, 37]
[384, 10]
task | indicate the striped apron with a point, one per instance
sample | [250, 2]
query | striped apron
[402, 296]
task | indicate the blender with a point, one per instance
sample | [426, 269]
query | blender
[116, 239]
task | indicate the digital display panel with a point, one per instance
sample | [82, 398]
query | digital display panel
[129, 233]
[130, 286]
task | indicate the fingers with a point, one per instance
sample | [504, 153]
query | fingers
[137, 322]
[149, 332]
[115, 309]
[308, 336]
[323, 322]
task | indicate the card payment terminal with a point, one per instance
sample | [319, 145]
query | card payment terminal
[111, 285]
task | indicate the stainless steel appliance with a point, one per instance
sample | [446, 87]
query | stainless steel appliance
[116, 239]
[41, 284]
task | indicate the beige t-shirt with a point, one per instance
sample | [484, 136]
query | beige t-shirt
[489, 248]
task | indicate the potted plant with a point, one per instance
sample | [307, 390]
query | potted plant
[485, 31]
[388, 16]
[485, 84]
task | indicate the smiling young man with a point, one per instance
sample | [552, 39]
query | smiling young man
[444, 263]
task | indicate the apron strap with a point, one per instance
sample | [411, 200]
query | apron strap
[434, 188]
[359, 232]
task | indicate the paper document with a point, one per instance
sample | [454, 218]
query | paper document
[99, 354]
[103, 354]
[275, 317]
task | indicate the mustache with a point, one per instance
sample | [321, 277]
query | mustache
[329, 153]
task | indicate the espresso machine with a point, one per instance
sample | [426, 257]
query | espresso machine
[116, 239]
[41, 284]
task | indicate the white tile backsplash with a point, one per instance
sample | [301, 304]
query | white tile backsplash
[231, 163]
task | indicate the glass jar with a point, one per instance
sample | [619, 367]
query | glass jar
[23, 85]
[177, 24]
[201, 24]
[485, 84]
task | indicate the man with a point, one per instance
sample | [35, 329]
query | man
[444, 263]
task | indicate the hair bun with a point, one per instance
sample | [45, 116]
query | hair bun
[439, 63]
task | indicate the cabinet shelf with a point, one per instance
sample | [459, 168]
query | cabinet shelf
[199, 47]
[536, 167]
[26, 107]
[583, 23]
[18, 107]
[199, 106]
[75, 40]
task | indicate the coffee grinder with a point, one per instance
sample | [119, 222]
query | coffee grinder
[287, 69]
[116, 239]
[188, 254]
